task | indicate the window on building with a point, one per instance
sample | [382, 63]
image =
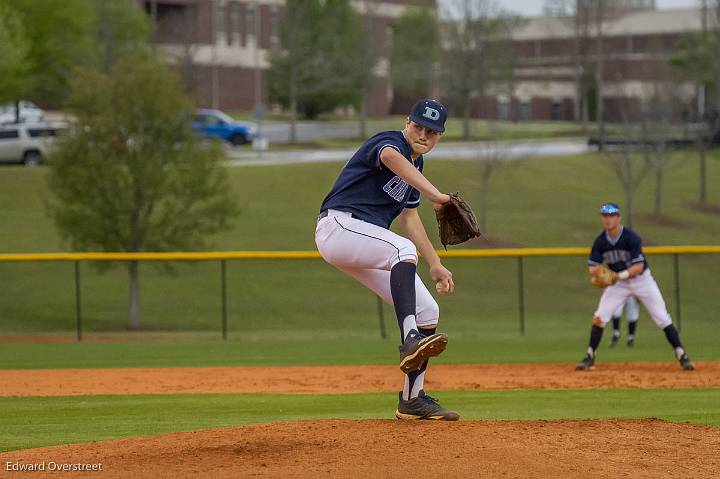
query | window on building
[556, 112]
[524, 109]
[219, 18]
[503, 108]
[250, 19]
[235, 25]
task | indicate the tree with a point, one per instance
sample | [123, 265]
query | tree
[492, 156]
[131, 176]
[630, 168]
[57, 36]
[314, 69]
[13, 56]
[696, 59]
[475, 53]
[415, 51]
[122, 29]
[60, 37]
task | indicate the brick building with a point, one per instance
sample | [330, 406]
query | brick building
[637, 45]
[221, 46]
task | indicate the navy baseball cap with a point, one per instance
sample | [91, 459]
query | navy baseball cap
[430, 114]
[610, 209]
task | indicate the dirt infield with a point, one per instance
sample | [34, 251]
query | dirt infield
[384, 448]
[349, 379]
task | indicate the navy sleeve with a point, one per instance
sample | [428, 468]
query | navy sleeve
[414, 199]
[636, 254]
[596, 254]
[380, 142]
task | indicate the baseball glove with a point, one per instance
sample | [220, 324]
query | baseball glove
[456, 221]
[604, 277]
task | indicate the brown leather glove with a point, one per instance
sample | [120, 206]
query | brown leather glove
[456, 221]
[604, 277]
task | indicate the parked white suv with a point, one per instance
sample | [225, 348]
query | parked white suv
[27, 143]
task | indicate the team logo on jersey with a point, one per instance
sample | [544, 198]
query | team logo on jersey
[431, 113]
[396, 188]
[616, 256]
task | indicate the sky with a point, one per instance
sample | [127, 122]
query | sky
[534, 7]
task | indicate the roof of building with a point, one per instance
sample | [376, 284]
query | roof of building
[632, 23]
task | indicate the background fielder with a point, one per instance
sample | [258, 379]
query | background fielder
[620, 249]
[632, 314]
[381, 182]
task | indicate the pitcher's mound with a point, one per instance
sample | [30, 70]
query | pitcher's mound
[386, 448]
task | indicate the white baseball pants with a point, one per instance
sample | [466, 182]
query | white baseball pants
[632, 310]
[367, 253]
[642, 287]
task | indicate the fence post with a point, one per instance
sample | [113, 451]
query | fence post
[676, 268]
[381, 316]
[521, 295]
[223, 294]
[78, 311]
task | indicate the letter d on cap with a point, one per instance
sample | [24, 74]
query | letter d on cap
[431, 113]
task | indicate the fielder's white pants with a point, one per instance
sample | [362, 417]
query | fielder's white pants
[642, 287]
[632, 310]
[367, 253]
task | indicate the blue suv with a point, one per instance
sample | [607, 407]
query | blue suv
[216, 124]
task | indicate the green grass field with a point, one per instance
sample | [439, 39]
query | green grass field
[543, 202]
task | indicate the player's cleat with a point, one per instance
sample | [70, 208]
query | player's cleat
[424, 407]
[685, 363]
[418, 349]
[587, 363]
[615, 338]
[631, 341]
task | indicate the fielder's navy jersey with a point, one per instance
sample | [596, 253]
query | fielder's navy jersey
[370, 190]
[618, 253]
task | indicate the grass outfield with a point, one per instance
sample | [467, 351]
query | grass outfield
[343, 350]
[541, 202]
[36, 421]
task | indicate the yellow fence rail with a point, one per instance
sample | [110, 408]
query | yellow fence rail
[224, 256]
[288, 255]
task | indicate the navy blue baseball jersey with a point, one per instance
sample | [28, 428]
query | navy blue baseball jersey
[370, 190]
[618, 253]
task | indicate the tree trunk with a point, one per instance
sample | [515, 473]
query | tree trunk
[134, 303]
[466, 120]
[17, 112]
[363, 116]
[484, 187]
[659, 170]
[293, 106]
[703, 172]
[629, 187]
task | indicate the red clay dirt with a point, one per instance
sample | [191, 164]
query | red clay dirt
[384, 448]
[350, 379]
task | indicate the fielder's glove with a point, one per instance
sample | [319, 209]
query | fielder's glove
[456, 221]
[604, 277]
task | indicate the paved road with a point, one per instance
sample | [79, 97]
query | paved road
[443, 151]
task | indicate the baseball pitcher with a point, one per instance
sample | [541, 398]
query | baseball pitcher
[618, 265]
[383, 181]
